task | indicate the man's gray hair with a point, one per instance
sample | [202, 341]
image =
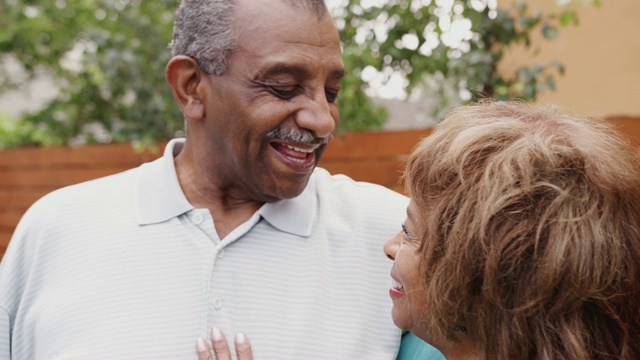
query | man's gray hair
[203, 30]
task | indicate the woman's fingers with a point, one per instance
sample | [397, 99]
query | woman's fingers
[220, 346]
[202, 349]
[243, 347]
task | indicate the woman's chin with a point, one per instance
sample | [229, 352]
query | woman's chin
[401, 318]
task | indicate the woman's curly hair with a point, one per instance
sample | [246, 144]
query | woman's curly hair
[530, 232]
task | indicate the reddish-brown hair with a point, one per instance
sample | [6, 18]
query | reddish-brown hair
[530, 229]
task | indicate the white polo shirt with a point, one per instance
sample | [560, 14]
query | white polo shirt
[123, 267]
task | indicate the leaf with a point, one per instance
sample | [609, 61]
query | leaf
[568, 17]
[551, 84]
[549, 32]
[559, 66]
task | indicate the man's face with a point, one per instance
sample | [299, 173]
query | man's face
[265, 115]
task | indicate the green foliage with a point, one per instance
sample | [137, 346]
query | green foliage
[449, 51]
[357, 112]
[9, 135]
[107, 60]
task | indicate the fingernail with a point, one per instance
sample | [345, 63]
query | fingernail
[216, 334]
[240, 338]
[200, 346]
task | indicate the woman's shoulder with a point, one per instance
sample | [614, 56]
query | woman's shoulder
[414, 348]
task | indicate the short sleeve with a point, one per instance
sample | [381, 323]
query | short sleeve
[414, 348]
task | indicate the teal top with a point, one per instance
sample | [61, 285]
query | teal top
[414, 348]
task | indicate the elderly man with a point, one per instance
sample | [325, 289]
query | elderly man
[233, 228]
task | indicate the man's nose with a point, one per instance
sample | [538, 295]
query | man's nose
[318, 115]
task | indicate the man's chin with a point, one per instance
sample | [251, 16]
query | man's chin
[283, 190]
[290, 192]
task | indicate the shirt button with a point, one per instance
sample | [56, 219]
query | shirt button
[197, 218]
[221, 254]
[217, 303]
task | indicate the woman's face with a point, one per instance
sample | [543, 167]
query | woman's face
[408, 288]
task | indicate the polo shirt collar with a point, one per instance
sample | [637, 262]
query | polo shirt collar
[159, 195]
[160, 198]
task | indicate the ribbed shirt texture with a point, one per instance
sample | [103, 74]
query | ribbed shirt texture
[124, 267]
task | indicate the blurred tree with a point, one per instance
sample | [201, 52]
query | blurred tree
[107, 58]
[447, 50]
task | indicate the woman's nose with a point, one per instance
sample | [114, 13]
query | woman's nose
[392, 245]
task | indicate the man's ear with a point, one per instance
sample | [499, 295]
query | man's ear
[185, 77]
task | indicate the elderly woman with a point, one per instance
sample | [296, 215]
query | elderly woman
[522, 239]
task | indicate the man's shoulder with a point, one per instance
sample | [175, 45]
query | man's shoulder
[93, 193]
[358, 202]
[340, 183]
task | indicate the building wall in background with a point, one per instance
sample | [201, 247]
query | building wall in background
[601, 55]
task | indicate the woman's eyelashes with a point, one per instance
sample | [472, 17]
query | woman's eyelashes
[408, 236]
[406, 232]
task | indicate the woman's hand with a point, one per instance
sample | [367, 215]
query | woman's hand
[221, 348]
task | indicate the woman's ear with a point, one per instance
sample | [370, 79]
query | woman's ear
[185, 76]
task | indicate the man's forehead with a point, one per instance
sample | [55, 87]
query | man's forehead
[275, 7]
[315, 7]
[279, 16]
[287, 40]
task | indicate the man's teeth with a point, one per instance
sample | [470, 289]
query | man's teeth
[299, 149]
[396, 285]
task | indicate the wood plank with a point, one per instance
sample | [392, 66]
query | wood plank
[5, 236]
[367, 145]
[383, 172]
[30, 178]
[20, 199]
[9, 220]
[89, 155]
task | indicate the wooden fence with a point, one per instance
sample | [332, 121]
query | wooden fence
[26, 174]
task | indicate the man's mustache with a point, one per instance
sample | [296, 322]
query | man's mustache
[299, 136]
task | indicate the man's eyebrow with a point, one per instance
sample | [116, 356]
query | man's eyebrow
[281, 68]
[296, 70]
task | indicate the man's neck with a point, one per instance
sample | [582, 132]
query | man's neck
[227, 208]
